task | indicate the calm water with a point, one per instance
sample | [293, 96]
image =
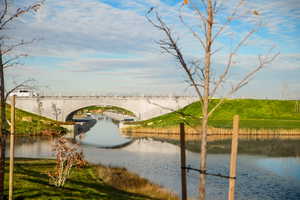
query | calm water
[104, 134]
[259, 177]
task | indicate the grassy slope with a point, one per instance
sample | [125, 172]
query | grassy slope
[31, 182]
[253, 113]
[37, 125]
[106, 108]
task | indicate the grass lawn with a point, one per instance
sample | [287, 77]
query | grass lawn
[253, 113]
[91, 182]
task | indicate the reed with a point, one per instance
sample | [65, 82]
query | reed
[211, 130]
[124, 180]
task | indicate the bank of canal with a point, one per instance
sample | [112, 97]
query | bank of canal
[259, 176]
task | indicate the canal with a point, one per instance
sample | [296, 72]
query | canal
[259, 176]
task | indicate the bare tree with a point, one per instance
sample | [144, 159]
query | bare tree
[199, 76]
[56, 111]
[18, 85]
[7, 60]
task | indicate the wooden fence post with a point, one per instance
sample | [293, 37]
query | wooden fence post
[11, 147]
[233, 157]
[183, 163]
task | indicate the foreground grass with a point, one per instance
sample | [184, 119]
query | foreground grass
[253, 114]
[91, 182]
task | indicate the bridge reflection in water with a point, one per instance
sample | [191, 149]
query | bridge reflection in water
[259, 176]
[104, 134]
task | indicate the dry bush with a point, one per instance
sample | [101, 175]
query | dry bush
[67, 156]
[122, 179]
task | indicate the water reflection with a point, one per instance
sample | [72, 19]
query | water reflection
[273, 147]
[33, 147]
[282, 166]
[105, 133]
[259, 177]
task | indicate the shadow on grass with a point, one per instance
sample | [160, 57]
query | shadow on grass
[31, 182]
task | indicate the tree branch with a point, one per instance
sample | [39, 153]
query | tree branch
[9, 63]
[171, 46]
[191, 29]
[35, 7]
[229, 20]
[4, 11]
[12, 47]
[222, 77]
[262, 63]
[23, 84]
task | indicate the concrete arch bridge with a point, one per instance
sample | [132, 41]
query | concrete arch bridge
[60, 107]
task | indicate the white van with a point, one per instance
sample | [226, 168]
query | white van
[23, 93]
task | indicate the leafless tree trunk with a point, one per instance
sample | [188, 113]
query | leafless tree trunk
[207, 60]
[200, 78]
[56, 111]
[2, 127]
[5, 19]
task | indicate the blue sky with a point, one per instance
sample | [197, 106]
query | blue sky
[108, 47]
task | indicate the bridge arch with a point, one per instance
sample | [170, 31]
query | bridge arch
[106, 108]
[142, 106]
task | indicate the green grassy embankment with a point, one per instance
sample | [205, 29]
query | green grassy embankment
[100, 109]
[256, 114]
[91, 182]
[31, 124]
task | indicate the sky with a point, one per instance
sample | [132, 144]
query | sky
[107, 47]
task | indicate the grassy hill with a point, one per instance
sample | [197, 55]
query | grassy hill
[31, 124]
[253, 113]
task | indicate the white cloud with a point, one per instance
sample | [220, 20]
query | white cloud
[279, 15]
[287, 62]
[68, 26]
[104, 42]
